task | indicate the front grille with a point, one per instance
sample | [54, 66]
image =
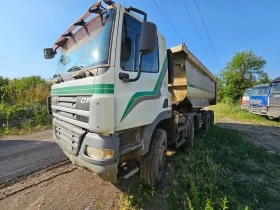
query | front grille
[71, 109]
[68, 136]
[65, 101]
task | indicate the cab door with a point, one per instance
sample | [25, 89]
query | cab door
[135, 102]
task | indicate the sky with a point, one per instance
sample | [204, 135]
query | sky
[29, 26]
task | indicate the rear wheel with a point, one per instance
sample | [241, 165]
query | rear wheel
[212, 118]
[190, 139]
[206, 121]
[153, 163]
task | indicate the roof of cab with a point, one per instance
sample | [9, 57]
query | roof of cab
[276, 80]
[261, 85]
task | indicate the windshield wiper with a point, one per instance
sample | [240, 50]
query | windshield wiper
[80, 74]
[75, 68]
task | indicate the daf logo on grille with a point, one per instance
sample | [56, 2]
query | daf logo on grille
[85, 100]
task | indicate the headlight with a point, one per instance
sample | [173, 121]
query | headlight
[99, 154]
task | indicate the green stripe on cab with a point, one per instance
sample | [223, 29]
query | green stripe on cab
[146, 95]
[84, 89]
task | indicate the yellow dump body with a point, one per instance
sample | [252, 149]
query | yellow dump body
[194, 85]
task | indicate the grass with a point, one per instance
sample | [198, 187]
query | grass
[24, 129]
[235, 113]
[223, 171]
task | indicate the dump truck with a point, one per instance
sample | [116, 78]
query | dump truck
[273, 110]
[258, 102]
[120, 99]
[245, 99]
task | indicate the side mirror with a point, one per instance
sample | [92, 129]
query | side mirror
[147, 38]
[49, 53]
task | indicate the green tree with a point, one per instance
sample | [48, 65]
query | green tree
[3, 83]
[220, 86]
[263, 78]
[244, 71]
[33, 89]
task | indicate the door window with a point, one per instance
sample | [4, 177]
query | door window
[130, 48]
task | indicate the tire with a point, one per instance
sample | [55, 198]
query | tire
[212, 118]
[190, 139]
[206, 121]
[153, 163]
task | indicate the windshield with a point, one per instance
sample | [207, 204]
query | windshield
[259, 91]
[92, 49]
[247, 93]
[275, 88]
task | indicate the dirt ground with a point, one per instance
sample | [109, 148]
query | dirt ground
[260, 135]
[35, 174]
[61, 185]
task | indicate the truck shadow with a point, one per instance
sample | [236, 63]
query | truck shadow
[20, 157]
[260, 135]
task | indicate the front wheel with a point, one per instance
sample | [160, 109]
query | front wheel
[153, 163]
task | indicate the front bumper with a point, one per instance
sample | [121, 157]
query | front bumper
[105, 172]
[73, 142]
[245, 106]
[260, 110]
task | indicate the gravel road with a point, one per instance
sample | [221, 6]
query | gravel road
[20, 155]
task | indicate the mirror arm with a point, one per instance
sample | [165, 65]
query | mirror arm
[139, 69]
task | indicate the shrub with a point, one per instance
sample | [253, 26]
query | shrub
[23, 116]
[33, 89]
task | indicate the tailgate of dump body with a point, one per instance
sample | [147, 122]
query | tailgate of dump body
[194, 85]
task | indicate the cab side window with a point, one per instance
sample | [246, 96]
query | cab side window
[130, 48]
